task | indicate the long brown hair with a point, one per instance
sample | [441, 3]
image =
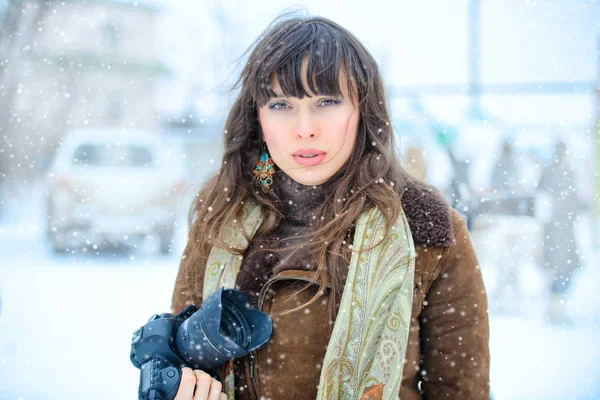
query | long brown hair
[371, 177]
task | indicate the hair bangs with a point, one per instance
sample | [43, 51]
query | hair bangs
[325, 51]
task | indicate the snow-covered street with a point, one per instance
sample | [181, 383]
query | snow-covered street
[66, 322]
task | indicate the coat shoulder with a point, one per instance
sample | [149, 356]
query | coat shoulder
[430, 217]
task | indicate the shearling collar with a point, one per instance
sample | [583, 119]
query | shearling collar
[429, 215]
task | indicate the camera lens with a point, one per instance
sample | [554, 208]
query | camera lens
[224, 327]
[234, 325]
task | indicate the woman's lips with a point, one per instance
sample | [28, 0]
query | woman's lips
[310, 161]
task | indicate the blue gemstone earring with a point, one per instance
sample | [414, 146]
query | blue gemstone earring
[263, 169]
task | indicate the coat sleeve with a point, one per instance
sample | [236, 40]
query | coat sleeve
[190, 277]
[454, 326]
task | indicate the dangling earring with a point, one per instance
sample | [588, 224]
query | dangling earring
[263, 169]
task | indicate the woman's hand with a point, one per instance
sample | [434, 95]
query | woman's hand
[207, 388]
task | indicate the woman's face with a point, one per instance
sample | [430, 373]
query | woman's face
[322, 128]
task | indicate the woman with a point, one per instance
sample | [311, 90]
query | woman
[368, 274]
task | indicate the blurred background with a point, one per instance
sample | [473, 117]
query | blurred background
[111, 117]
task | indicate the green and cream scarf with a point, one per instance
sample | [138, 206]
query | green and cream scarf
[367, 348]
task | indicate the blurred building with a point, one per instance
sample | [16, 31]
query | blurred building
[76, 64]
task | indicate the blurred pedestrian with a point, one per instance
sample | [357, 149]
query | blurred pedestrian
[505, 174]
[561, 257]
[415, 163]
[503, 181]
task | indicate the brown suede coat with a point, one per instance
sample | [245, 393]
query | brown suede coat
[447, 355]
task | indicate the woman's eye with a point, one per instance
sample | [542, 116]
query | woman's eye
[329, 102]
[277, 106]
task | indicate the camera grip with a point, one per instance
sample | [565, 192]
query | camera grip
[158, 384]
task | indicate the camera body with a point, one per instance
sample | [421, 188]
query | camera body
[154, 352]
[225, 327]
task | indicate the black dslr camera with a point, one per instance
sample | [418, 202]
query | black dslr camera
[224, 327]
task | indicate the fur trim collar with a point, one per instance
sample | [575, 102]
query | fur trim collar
[429, 215]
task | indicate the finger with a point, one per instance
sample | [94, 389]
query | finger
[223, 396]
[186, 384]
[202, 384]
[215, 390]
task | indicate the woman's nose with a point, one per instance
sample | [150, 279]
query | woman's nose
[307, 125]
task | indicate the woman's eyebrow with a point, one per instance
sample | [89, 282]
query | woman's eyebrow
[278, 97]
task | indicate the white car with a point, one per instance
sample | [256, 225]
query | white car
[111, 186]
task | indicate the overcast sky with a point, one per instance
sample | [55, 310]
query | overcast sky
[414, 43]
